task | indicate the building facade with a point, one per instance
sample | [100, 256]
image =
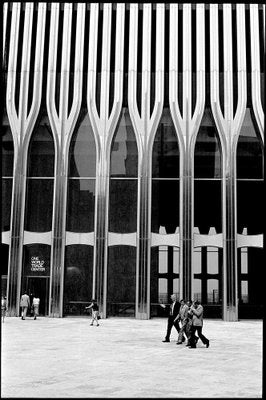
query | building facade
[132, 156]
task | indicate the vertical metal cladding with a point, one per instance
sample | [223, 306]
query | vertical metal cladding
[228, 126]
[145, 126]
[255, 67]
[103, 127]
[63, 120]
[21, 124]
[186, 125]
[62, 126]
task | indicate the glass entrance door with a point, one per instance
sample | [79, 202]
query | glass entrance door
[40, 288]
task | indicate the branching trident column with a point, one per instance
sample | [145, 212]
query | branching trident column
[22, 124]
[228, 126]
[186, 126]
[103, 126]
[62, 124]
[145, 125]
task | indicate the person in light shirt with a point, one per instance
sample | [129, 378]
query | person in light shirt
[35, 305]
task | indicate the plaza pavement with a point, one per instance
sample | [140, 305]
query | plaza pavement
[125, 358]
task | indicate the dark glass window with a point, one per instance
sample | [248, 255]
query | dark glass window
[165, 156]
[123, 183]
[164, 213]
[6, 203]
[77, 278]
[124, 151]
[249, 150]
[39, 205]
[208, 205]
[80, 205]
[41, 151]
[165, 173]
[81, 192]
[7, 151]
[123, 205]
[165, 205]
[207, 158]
[82, 151]
[121, 280]
[4, 250]
[250, 206]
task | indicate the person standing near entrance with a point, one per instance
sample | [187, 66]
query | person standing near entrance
[24, 304]
[196, 311]
[173, 317]
[31, 306]
[35, 305]
[94, 312]
[3, 307]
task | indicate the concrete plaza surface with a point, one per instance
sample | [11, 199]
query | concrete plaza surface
[125, 358]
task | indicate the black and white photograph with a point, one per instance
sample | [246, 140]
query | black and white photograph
[132, 200]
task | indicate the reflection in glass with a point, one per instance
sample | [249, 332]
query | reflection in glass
[212, 260]
[7, 151]
[165, 156]
[197, 260]
[212, 291]
[80, 205]
[244, 292]
[207, 158]
[124, 151]
[121, 281]
[39, 205]
[123, 205]
[197, 290]
[165, 212]
[82, 151]
[77, 278]
[249, 150]
[41, 151]
[164, 273]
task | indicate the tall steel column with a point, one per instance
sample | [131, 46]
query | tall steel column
[186, 126]
[62, 124]
[22, 124]
[228, 126]
[145, 126]
[103, 126]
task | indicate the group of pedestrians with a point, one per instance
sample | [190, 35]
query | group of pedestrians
[32, 303]
[189, 315]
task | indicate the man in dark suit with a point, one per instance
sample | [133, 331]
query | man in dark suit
[173, 317]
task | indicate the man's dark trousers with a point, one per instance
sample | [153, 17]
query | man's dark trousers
[170, 325]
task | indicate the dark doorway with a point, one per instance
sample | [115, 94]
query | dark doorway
[40, 288]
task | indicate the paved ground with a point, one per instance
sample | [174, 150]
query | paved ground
[67, 357]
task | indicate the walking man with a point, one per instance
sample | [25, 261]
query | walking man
[173, 317]
[24, 304]
[196, 311]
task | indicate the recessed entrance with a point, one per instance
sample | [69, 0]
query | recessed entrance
[39, 287]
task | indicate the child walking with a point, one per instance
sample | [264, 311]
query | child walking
[94, 312]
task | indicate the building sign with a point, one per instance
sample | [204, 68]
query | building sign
[37, 261]
[37, 265]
